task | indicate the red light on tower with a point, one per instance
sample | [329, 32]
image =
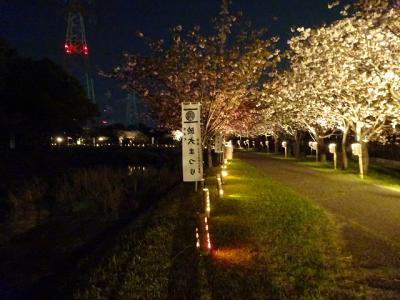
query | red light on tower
[67, 49]
[75, 39]
[75, 45]
[85, 50]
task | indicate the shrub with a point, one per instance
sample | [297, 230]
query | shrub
[96, 192]
[30, 196]
[93, 191]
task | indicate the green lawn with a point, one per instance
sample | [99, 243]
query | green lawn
[269, 243]
[378, 175]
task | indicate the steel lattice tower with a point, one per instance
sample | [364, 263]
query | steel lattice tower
[76, 47]
[75, 40]
[132, 117]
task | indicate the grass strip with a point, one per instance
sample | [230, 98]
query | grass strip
[154, 258]
[377, 174]
[269, 243]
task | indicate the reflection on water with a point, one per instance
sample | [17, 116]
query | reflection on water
[136, 170]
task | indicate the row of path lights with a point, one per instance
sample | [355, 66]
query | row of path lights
[314, 147]
[355, 147]
[203, 240]
[253, 144]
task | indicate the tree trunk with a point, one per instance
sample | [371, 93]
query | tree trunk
[296, 149]
[364, 159]
[321, 149]
[276, 141]
[345, 160]
[209, 156]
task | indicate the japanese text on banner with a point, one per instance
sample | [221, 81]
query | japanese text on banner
[192, 161]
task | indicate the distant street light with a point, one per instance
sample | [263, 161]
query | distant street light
[284, 145]
[332, 149]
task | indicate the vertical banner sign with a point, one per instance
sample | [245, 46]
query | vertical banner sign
[192, 161]
[219, 143]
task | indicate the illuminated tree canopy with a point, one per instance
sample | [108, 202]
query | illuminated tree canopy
[342, 75]
[221, 71]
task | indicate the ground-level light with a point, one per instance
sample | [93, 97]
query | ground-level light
[332, 149]
[356, 149]
[314, 146]
[197, 238]
[284, 145]
[206, 202]
[219, 186]
[203, 240]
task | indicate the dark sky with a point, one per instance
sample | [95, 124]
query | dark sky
[37, 27]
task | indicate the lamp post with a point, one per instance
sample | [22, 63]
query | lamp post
[284, 145]
[314, 146]
[332, 149]
[356, 150]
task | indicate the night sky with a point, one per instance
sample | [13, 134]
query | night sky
[37, 27]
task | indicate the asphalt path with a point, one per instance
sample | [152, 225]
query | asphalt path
[367, 216]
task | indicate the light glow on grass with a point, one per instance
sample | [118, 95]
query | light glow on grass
[394, 188]
[238, 255]
[233, 177]
[288, 239]
[235, 196]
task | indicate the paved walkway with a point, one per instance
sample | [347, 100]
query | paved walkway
[367, 215]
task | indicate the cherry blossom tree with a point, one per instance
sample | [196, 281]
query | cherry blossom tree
[363, 65]
[293, 104]
[343, 76]
[221, 71]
